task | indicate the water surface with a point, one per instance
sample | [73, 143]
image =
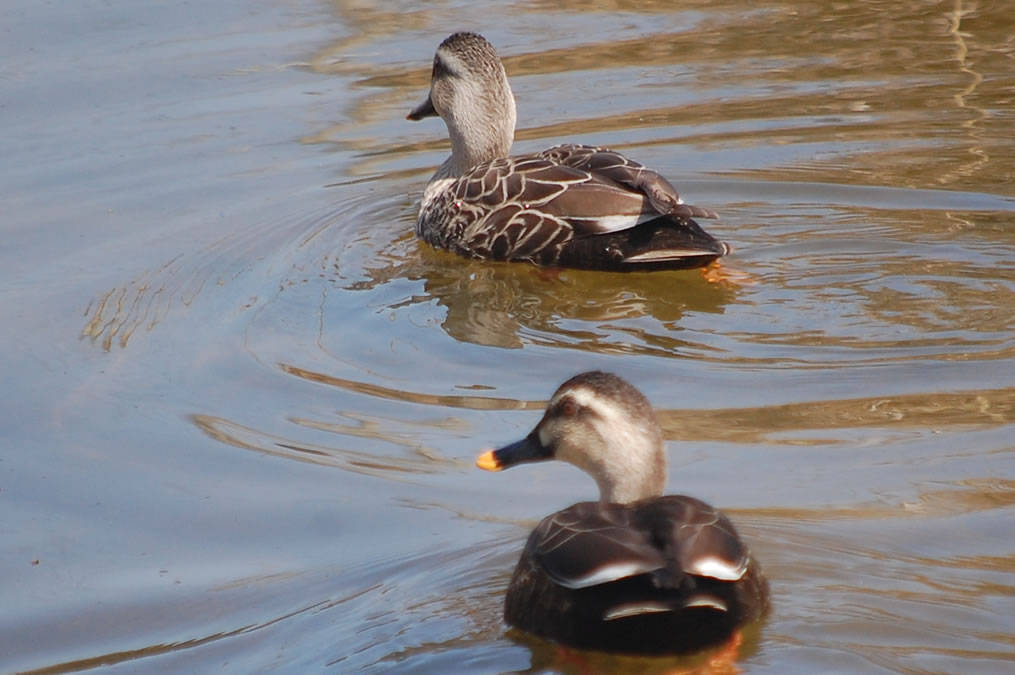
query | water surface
[242, 402]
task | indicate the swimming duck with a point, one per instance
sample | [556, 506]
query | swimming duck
[568, 206]
[635, 572]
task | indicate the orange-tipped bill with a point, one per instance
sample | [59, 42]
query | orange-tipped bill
[488, 461]
[529, 449]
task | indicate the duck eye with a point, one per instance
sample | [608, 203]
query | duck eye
[568, 408]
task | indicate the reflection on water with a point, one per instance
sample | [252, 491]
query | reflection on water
[943, 411]
[508, 305]
[420, 459]
[547, 657]
[259, 426]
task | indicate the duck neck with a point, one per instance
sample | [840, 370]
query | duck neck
[635, 475]
[631, 489]
[482, 133]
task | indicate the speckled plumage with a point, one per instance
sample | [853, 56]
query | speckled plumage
[570, 205]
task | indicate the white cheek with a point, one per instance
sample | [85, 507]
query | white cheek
[584, 397]
[451, 61]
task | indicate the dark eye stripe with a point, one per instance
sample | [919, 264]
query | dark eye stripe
[440, 68]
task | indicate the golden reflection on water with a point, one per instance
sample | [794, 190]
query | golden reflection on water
[761, 425]
[983, 409]
[444, 401]
[877, 93]
[508, 305]
[951, 499]
[113, 317]
[923, 78]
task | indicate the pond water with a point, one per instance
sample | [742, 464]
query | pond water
[241, 403]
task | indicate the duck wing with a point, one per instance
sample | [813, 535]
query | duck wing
[697, 538]
[574, 205]
[629, 217]
[590, 544]
[669, 537]
[621, 183]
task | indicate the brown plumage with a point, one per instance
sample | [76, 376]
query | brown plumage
[570, 205]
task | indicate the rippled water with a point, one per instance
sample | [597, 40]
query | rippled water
[242, 402]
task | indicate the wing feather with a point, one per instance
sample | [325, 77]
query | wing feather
[698, 537]
[669, 537]
[531, 207]
[590, 544]
[630, 175]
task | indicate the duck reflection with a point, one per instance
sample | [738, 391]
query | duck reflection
[723, 660]
[511, 305]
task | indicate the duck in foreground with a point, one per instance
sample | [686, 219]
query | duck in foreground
[568, 206]
[635, 572]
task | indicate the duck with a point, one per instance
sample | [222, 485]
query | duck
[576, 206]
[635, 572]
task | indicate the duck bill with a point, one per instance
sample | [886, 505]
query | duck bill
[529, 449]
[424, 109]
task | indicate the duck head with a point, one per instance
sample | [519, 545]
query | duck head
[604, 426]
[469, 90]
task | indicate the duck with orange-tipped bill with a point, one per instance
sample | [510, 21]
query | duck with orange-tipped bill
[635, 572]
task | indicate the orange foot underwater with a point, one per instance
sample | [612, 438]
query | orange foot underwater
[716, 273]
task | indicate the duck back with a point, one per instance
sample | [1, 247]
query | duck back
[663, 575]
